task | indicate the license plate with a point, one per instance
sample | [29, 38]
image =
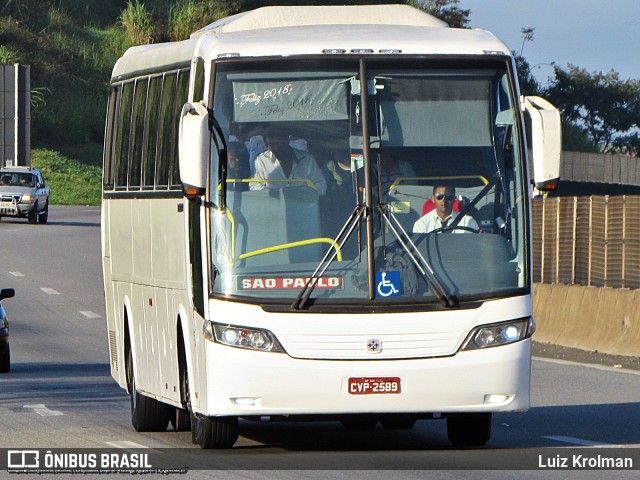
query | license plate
[374, 385]
[8, 210]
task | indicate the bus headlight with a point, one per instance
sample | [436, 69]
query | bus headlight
[242, 337]
[499, 334]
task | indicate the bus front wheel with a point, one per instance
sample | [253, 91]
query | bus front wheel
[181, 417]
[214, 432]
[469, 429]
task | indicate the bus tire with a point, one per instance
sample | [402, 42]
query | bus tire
[181, 417]
[469, 429]
[181, 420]
[214, 432]
[147, 414]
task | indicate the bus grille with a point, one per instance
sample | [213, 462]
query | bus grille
[371, 347]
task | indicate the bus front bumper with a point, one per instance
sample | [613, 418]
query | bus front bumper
[248, 383]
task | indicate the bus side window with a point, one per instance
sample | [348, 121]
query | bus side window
[151, 132]
[110, 145]
[165, 149]
[124, 135]
[137, 132]
[183, 91]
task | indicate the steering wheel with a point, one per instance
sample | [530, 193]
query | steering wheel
[455, 227]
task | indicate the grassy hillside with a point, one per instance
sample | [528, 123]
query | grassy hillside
[72, 182]
[71, 46]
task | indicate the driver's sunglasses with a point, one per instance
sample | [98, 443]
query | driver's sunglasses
[450, 197]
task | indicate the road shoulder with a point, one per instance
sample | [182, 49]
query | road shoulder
[558, 352]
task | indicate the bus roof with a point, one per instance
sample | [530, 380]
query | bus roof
[316, 39]
[283, 16]
[287, 31]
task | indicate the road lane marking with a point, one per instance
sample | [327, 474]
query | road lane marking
[50, 291]
[125, 444]
[128, 445]
[590, 443]
[43, 411]
[89, 314]
[586, 365]
[578, 441]
[17, 274]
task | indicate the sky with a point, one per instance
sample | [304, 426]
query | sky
[596, 35]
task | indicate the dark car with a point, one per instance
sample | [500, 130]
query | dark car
[5, 356]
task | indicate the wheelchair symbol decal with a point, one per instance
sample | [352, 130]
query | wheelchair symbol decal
[388, 284]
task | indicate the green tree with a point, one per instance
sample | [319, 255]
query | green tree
[602, 104]
[528, 35]
[447, 10]
[628, 144]
[576, 138]
[528, 83]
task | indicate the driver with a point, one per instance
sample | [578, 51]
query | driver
[443, 215]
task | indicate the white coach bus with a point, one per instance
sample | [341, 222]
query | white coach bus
[248, 277]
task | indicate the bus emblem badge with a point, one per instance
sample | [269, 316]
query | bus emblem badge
[374, 345]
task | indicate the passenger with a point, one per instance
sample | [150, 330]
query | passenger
[391, 169]
[26, 181]
[6, 180]
[237, 166]
[341, 198]
[339, 173]
[282, 162]
[443, 215]
[255, 146]
[298, 143]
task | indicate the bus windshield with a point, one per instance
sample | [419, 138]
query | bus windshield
[299, 142]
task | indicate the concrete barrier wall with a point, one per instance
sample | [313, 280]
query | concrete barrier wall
[599, 319]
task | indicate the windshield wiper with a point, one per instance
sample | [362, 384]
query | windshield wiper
[423, 266]
[342, 237]
[467, 208]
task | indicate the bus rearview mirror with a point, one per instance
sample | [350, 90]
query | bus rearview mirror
[194, 146]
[546, 142]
